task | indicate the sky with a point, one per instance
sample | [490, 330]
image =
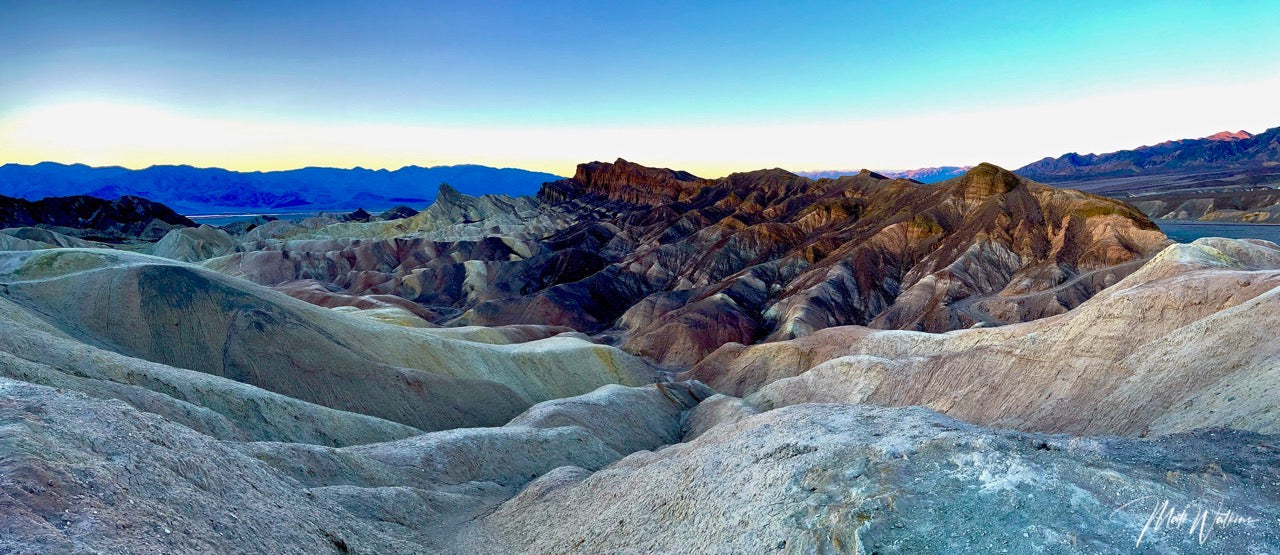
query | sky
[709, 87]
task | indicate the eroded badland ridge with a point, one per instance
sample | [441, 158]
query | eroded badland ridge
[864, 364]
[673, 266]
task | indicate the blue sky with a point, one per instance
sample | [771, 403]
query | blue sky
[656, 81]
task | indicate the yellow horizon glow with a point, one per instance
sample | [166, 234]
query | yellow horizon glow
[107, 133]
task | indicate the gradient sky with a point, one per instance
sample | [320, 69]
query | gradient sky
[711, 88]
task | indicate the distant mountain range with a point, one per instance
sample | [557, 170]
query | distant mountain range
[1220, 151]
[193, 191]
[1223, 151]
[923, 175]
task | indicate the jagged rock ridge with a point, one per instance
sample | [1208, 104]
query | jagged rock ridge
[772, 255]
[671, 266]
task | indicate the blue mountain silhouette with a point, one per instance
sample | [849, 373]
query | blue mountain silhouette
[191, 190]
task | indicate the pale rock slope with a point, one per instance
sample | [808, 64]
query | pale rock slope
[452, 216]
[838, 478]
[32, 350]
[1187, 341]
[36, 238]
[187, 317]
[83, 474]
[193, 244]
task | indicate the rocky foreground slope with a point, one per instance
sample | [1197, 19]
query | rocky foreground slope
[90, 475]
[670, 266]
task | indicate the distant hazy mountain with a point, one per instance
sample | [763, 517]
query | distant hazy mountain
[191, 190]
[923, 175]
[1220, 151]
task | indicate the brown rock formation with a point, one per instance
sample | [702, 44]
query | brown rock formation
[672, 266]
[630, 182]
[772, 255]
